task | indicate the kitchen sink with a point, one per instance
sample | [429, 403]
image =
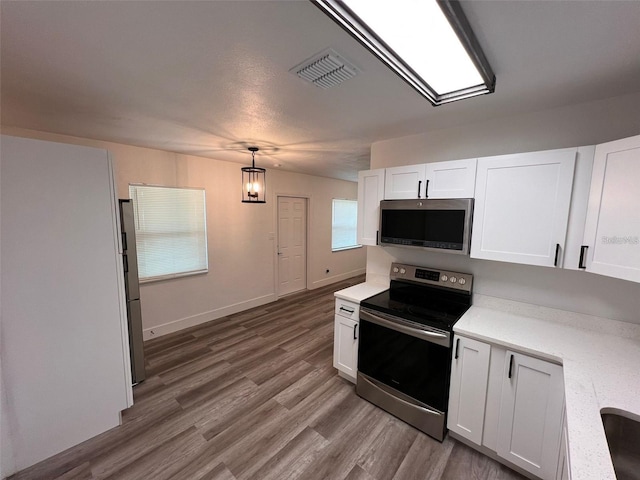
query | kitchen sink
[623, 437]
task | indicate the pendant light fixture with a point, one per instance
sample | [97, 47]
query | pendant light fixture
[253, 181]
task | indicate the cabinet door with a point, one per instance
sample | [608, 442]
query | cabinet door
[468, 393]
[522, 207]
[531, 414]
[612, 230]
[370, 192]
[345, 346]
[563, 472]
[454, 179]
[404, 182]
[578, 210]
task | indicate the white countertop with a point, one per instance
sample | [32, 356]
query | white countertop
[359, 292]
[601, 366]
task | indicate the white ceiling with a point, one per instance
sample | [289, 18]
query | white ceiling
[210, 78]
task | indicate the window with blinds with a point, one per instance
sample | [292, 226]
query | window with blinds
[171, 231]
[343, 224]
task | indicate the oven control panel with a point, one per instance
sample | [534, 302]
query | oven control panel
[431, 276]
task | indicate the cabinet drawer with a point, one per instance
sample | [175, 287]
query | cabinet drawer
[347, 309]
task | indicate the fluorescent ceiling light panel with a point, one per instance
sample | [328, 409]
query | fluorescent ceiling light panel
[427, 42]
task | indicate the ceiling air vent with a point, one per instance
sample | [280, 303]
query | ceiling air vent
[326, 69]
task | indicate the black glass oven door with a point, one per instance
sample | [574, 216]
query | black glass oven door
[413, 366]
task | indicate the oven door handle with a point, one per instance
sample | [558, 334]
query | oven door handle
[433, 337]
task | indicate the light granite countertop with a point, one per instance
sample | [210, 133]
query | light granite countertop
[601, 367]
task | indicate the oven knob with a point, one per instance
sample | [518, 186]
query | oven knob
[462, 281]
[395, 269]
[444, 278]
[453, 279]
[403, 271]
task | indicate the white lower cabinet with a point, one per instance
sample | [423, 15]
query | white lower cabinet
[345, 342]
[531, 409]
[508, 403]
[468, 394]
[563, 461]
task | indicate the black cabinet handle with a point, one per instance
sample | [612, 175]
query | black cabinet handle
[348, 310]
[377, 235]
[555, 261]
[457, 347]
[510, 365]
[419, 187]
[426, 190]
[583, 256]
[355, 327]
[125, 263]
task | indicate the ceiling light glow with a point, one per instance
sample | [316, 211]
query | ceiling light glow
[422, 41]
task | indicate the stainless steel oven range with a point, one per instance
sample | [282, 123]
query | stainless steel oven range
[405, 344]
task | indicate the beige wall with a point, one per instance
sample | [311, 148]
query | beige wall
[584, 124]
[571, 126]
[241, 237]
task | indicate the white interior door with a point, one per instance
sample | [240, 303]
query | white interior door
[292, 244]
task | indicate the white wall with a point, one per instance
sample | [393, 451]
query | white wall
[242, 251]
[63, 316]
[7, 463]
[583, 124]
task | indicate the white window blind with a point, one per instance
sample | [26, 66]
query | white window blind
[171, 231]
[343, 225]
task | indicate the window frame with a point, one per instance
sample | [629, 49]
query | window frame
[347, 247]
[169, 276]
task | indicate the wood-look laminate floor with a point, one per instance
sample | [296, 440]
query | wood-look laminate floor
[254, 396]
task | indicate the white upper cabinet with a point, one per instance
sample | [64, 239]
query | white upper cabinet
[522, 207]
[612, 229]
[370, 192]
[578, 210]
[454, 179]
[405, 182]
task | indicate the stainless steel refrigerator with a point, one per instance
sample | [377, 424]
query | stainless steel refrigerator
[132, 289]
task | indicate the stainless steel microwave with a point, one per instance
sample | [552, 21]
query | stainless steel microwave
[442, 225]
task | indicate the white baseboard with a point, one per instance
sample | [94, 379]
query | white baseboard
[182, 323]
[336, 278]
